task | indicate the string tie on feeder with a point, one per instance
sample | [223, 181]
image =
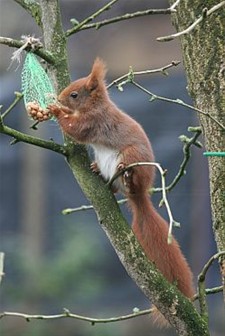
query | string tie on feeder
[30, 43]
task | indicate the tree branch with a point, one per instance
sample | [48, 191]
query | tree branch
[205, 13]
[33, 8]
[143, 72]
[209, 291]
[128, 16]
[67, 314]
[90, 18]
[18, 97]
[179, 102]
[129, 78]
[201, 285]
[22, 137]
[68, 211]
[188, 142]
[44, 54]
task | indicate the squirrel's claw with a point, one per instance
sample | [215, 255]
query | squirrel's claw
[94, 168]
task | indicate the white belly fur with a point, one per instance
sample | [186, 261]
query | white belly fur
[107, 160]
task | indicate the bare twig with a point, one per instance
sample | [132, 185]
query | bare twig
[205, 269]
[127, 16]
[201, 284]
[129, 78]
[164, 200]
[90, 18]
[67, 314]
[14, 103]
[209, 291]
[205, 13]
[44, 54]
[68, 211]
[81, 208]
[179, 102]
[188, 142]
[132, 73]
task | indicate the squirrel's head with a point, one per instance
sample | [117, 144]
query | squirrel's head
[85, 93]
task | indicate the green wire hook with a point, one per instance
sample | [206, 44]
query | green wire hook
[214, 153]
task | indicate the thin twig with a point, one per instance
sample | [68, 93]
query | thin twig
[143, 72]
[67, 314]
[128, 16]
[208, 291]
[81, 208]
[93, 321]
[90, 18]
[19, 96]
[44, 54]
[205, 269]
[201, 284]
[179, 102]
[164, 200]
[205, 13]
[188, 142]
[22, 137]
[68, 211]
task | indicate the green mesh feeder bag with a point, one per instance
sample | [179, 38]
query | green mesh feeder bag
[37, 89]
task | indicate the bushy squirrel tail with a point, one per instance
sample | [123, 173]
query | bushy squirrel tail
[151, 231]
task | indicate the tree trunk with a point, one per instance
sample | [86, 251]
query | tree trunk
[203, 54]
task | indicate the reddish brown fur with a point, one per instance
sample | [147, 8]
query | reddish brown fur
[92, 118]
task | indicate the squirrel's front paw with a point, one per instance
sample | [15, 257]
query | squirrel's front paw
[59, 110]
[54, 109]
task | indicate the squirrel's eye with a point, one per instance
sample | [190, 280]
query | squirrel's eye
[74, 94]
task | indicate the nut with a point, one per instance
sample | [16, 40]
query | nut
[35, 111]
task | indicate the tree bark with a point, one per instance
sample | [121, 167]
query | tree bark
[203, 55]
[55, 42]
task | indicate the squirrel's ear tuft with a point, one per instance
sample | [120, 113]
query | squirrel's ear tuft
[98, 69]
[97, 74]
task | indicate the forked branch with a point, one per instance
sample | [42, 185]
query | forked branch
[205, 14]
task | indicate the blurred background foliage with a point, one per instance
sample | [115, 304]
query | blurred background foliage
[53, 261]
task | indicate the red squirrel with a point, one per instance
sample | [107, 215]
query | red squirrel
[88, 116]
